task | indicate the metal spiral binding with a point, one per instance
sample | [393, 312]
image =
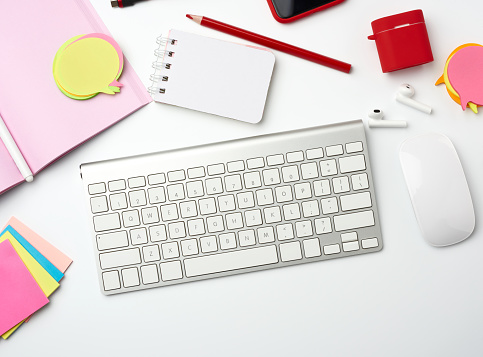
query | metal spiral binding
[160, 65]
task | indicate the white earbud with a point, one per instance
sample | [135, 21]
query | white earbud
[404, 95]
[376, 121]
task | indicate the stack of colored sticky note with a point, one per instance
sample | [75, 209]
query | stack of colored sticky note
[87, 65]
[30, 271]
[463, 76]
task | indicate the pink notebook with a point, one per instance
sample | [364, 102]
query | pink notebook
[45, 123]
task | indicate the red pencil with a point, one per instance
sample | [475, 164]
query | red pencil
[269, 42]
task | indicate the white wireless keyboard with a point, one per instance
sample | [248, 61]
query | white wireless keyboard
[232, 207]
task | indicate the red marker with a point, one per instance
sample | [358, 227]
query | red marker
[269, 42]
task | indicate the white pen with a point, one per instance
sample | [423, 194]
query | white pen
[15, 152]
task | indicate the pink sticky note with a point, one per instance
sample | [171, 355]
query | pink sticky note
[465, 72]
[20, 295]
[55, 256]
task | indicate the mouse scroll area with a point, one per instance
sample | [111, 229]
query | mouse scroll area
[438, 189]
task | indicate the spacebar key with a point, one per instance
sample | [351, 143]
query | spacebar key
[240, 259]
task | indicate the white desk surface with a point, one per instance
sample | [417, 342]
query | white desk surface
[410, 299]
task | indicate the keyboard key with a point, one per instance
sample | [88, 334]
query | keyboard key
[329, 205]
[137, 198]
[176, 230]
[207, 205]
[355, 201]
[196, 172]
[369, 243]
[171, 271]
[245, 200]
[130, 218]
[111, 280]
[227, 241]
[149, 274]
[135, 182]
[271, 177]
[283, 193]
[150, 215]
[120, 258]
[208, 244]
[265, 235]
[189, 247]
[323, 225]
[303, 229]
[331, 249]
[117, 185]
[96, 188]
[290, 173]
[112, 240]
[214, 186]
[312, 248]
[226, 203]
[234, 220]
[275, 160]
[340, 184]
[291, 211]
[315, 153]
[295, 156]
[354, 220]
[290, 251]
[321, 188]
[130, 277]
[272, 215]
[253, 218]
[233, 183]
[170, 250]
[309, 170]
[235, 166]
[246, 238]
[215, 224]
[302, 190]
[118, 201]
[328, 167]
[359, 182]
[175, 192]
[352, 163]
[195, 189]
[264, 197]
[156, 179]
[255, 163]
[177, 175]
[107, 222]
[99, 204]
[334, 150]
[217, 169]
[241, 259]
[138, 236]
[169, 212]
[285, 231]
[350, 246]
[156, 195]
[252, 179]
[158, 233]
[353, 147]
[151, 253]
[310, 208]
[188, 209]
[348, 237]
[196, 227]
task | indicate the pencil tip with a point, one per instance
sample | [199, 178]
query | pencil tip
[189, 16]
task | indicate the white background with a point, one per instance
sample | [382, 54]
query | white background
[410, 299]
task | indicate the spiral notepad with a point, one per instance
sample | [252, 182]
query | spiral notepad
[212, 76]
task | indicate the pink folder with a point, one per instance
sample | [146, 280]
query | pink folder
[45, 123]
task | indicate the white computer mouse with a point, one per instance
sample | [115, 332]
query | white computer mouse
[439, 192]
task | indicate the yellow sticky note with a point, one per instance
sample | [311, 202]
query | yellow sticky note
[41, 276]
[88, 66]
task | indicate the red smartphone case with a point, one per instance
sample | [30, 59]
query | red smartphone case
[284, 21]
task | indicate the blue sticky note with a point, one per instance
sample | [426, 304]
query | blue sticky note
[46, 264]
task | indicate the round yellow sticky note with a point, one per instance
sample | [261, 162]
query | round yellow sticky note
[86, 67]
